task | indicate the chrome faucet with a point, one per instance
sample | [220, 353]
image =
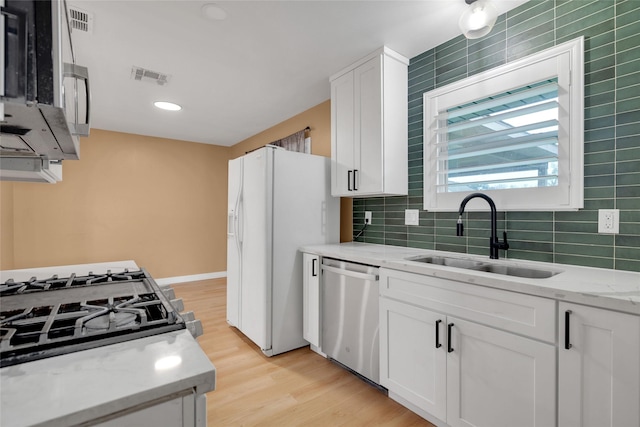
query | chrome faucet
[494, 243]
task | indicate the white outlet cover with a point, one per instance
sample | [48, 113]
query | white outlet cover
[411, 217]
[368, 218]
[609, 221]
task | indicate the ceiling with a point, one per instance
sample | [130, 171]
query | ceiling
[265, 63]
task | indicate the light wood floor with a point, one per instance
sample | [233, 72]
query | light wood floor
[298, 388]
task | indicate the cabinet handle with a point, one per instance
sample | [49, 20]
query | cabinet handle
[314, 267]
[449, 327]
[438, 345]
[567, 339]
[349, 181]
[355, 179]
[80, 73]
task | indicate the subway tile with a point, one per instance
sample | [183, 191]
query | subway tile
[628, 178]
[625, 68]
[589, 14]
[629, 43]
[599, 193]
[599, 157]
[585, 239]
[630, 228]
[627, 142]
[594, 204]
[628, 30]
[600, 110]
[628, 166]
[628, 265]
[598, 146]
[601, 98]
[530, 42]
[599, 123]
[600, 87]
[628, 118]
[530, 255]
[585, 261]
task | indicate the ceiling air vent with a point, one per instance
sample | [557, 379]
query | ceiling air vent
[142, 74]
[80, 20]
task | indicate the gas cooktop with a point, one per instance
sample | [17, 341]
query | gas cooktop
[44, 317]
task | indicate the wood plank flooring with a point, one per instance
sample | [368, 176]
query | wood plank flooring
[298, 388]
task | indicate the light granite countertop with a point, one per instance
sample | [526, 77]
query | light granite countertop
[82, 386]
[78, 387]
[599, 287]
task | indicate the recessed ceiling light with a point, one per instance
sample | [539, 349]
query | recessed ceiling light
[214, 12]
[167, 105]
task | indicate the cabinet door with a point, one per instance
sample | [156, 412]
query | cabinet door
[342, 135]
[412, 360]
[311, 298]
[599, 374]
[498, 379]
[368, 165]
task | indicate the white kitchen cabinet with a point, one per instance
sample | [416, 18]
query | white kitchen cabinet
[598, 367]
[412, 360]
[369, 127]
[311, 299]
[498, 379]
[458, 371]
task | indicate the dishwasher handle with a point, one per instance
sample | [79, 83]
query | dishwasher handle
[356, 274]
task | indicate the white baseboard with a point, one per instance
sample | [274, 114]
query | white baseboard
[191, 278]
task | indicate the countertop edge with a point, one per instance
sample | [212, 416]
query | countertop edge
[603, 288]
[200, 376]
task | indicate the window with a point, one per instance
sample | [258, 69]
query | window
[514, 132]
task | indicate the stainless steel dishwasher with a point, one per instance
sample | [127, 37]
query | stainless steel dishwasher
[350, 328]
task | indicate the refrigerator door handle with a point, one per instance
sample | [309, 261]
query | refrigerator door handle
[231, 224]
[239, 220]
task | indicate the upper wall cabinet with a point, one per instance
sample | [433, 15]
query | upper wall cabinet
[369, 127]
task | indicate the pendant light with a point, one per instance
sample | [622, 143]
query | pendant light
[479, 18]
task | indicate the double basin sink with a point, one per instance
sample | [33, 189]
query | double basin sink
[468, 264]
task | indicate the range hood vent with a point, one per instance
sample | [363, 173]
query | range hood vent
[80, 20]
[142, 74]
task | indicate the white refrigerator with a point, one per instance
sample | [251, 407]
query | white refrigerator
[278, 200]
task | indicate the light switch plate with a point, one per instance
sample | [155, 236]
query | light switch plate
[411, 217]
[609, 221]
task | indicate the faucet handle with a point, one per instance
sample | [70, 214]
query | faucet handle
[504, 245]
[459, 227]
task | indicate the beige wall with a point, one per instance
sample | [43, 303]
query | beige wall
[157, 201]
[318, 118]
[6, 225]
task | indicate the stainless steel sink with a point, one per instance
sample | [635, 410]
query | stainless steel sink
[469, 264]
[508, 270]
[449, 262]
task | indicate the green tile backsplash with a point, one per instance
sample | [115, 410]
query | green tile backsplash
[612, 139]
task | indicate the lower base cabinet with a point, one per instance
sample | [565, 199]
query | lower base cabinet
[457, 372]
[464, 373]
[598, 367]
[498, 379]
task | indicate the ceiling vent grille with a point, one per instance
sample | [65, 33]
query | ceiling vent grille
[80, 20]
[142, 74]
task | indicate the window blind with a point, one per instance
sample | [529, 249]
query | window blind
[504, 141]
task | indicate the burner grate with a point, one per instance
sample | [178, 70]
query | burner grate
[41, 318]
[11, 287]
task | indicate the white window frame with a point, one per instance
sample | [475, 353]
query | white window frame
[564, 61]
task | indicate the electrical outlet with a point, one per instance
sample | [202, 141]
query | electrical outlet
[609, 221]
[367, 217]
[411, 217]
